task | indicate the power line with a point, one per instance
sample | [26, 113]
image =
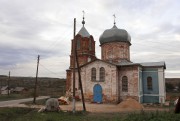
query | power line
[48, 69]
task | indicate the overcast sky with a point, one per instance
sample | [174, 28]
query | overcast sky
[45, 27]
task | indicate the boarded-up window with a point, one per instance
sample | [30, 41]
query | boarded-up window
[102, 74]
[90, 44]
[149, 83]
[93, 74]
[78, 44]
[124, 84]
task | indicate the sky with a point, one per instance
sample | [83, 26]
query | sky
[29, 28]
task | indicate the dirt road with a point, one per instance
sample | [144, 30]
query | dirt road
[12, 103]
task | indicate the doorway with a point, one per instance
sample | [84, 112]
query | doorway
[97, 93]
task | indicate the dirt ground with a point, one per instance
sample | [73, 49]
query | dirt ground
[107, 108]
[97, 108]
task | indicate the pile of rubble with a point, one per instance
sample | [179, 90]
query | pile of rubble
[64, 100]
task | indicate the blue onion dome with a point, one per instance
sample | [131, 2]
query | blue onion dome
[115, 35]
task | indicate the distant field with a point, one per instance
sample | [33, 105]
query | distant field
[53, 87]
[27, 114]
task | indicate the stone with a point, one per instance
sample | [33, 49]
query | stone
[52, 104]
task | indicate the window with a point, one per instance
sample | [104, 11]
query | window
[78, 44]
[124, 84]
[102, 74]
[93, 74]
[90, 44]
[149, 83]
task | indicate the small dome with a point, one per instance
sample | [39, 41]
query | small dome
[115, 35]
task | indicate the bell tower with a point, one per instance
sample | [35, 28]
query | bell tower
[85, 46]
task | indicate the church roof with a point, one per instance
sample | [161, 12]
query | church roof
[115, 35]
[127, 63]
[154, 64]
[98, 60]
[145, 64]
[83, 32]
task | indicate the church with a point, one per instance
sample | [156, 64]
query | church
[114, 77]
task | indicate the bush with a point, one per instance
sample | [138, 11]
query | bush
[169, 87]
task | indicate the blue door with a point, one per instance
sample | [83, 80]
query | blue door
[97, 93]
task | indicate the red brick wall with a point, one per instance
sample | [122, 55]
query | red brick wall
[68, 79]
[115, 51]
[132, 74]
[85, 52]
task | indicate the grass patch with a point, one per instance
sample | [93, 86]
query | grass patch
[13, 97]
[153, 116]
[10, 114]
[27, 114]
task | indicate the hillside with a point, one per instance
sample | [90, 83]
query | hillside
[173, 81]
[46, 86]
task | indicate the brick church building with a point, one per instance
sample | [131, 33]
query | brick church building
[114, 77]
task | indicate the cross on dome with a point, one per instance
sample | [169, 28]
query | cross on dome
[83, 22]
[114, 19]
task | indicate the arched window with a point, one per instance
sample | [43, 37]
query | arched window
[93, 74]
[124, 84]
[78, 44]
[102, 74]
[149, 83]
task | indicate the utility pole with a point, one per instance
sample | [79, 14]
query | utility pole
[8, 82]
[74, 60]
[80, 82]
[35, 87]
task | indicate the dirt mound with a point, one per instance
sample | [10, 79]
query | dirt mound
[130, 104]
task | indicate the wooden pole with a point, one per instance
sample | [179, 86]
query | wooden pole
[80, 82]
[74, 62]
[8, 82]
[35, 87]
